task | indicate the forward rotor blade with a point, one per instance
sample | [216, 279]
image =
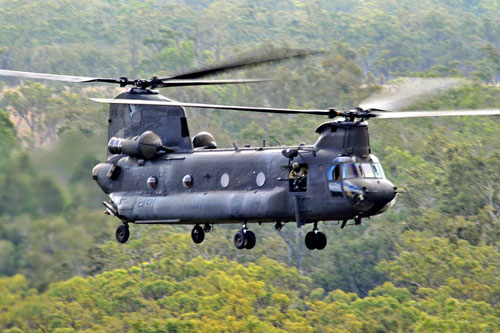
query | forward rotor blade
[54, 77]
[214, 106]
[424, 114]
[330, 113]
[182, 83]
[406, 91]
[247, 61]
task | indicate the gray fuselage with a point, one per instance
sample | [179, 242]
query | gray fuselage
[339, 177]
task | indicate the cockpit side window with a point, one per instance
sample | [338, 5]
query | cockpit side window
[334, 177]
[336, 173]
[378, 171]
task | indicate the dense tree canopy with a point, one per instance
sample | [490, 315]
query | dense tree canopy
[431, 263]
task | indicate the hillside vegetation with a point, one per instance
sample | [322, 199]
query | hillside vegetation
[431, 263]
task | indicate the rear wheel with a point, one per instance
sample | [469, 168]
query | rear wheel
[239, 240]
[321, 240]
[311, 240]
[122, 233]
[250, 240]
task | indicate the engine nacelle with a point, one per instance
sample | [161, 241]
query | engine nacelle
[144, 146]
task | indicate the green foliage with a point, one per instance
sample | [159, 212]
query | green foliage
[7, 135]
[41, 115]
[468, 272]
[429, 264]
[220, 295]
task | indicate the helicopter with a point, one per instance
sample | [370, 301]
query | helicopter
[156, 173]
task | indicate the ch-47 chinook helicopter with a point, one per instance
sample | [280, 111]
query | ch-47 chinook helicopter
[156, 173]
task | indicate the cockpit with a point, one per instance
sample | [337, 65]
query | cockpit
[362, 182]
[355, 170]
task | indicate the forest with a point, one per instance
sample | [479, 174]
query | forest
[431, 263]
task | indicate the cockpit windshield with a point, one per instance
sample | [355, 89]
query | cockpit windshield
[362, 170]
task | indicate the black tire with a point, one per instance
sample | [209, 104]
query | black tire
[251, 239]
[239, 240]
[311, 240]
[321, 238]
[122, 233]
[197, 234]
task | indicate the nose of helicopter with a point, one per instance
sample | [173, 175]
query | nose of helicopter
[370, 196]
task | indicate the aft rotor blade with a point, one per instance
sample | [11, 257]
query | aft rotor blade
[216, 106]
[54, 77]
[182, 83]
[423, 114]
[242, 62]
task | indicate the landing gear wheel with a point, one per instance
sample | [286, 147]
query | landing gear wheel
[197, 234]
[207, 228]
[321, 240]
[250, 240]
[311, 240]
[239, 240]
[122, 233]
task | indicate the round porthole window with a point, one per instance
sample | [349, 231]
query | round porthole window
[224, 180]
[261, 179]
[187, 181]
[152, 182]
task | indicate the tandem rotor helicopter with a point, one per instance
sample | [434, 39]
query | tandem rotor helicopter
[156, 173]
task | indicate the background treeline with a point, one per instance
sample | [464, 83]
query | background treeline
[431, 263]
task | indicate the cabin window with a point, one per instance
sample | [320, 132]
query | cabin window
[224, 180]
[152, 182]
[187, 181]
[261, 179]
